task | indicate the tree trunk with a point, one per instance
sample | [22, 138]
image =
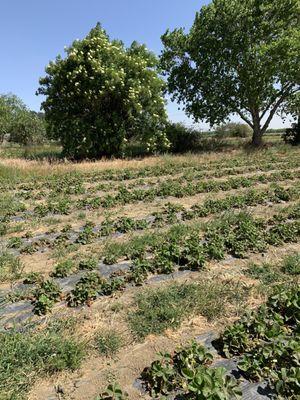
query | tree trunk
[257, 138]
[257, 131]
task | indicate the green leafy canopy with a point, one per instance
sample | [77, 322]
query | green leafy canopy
[240, 57]
[103, 94]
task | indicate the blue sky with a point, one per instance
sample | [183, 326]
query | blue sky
[33, 32]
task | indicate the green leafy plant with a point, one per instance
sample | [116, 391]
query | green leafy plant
[268, 341]
[187, 371]
[88, 264]
[113, 392]
[211, 384]
[63, 269]
[33, 277]
[87, 234]
[45, 296]
[86, 290]
[119, 85]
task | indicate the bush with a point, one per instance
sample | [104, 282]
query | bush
[102, 95]
[182, 138]
[233, 129]
[292, 135]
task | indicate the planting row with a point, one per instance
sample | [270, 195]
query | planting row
[65, 205]
[171, 214]
[74, 181]
[236, 234]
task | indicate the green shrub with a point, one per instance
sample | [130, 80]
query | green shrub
[292, 135]
[22, 125]
[88, 264]
[268, 340]
[233, 129]
[33, 277]
[182, 138]
[46, 295]
[187, 371]
[63, 269]
[86, 290]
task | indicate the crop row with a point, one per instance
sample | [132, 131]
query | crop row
[60, 201]
[73, 182]
[236, 234]
[163, 190]
[171, 214]
[60, 197]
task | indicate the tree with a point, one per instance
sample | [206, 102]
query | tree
[18, 123]
[103, 94]
[4, 117]
[240, 57]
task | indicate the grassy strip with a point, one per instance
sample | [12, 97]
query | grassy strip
[269, 274]
[26, 356]
[159, 309]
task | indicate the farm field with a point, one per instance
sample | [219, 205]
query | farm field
[105, 264]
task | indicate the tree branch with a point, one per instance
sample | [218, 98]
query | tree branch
[245, 118]
[273, 111]
[284, 89]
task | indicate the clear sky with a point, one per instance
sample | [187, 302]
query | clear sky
[33, 32]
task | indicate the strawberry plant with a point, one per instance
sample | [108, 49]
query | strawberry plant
[193, 256]
[86, 290]
[268, 341]
[14, 243]
[45, 296]
[188, 371]
[160, 377]
[113, 392]
[87, 234]
[211, 384]
[33, 277]
[63, 269]
[139, 271]
[88, 264]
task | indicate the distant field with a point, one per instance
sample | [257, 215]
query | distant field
[103, 264]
